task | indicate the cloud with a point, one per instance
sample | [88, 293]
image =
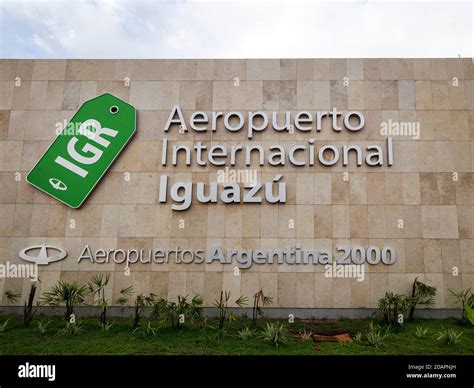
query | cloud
[128, 29]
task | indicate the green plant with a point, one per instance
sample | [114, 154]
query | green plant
[449, 337]
[105, 326]
[469, 313]
[69, 294]
[358, 337]
[28, 311]
[222, 306]
[376, 335]
[4, 325]
[177, 313]
[275, 334]
[141, 302]
[42, 327]
[257, 311]
[391, 305]
[421, 295]
[245, 333]
[148, 331]
[464, 298]
[12, 297]
[420, 331]
[71, 329]
[125, 294]
[97, 286]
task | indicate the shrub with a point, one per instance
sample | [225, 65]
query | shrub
[71, 329]
[257, 311]
[97, 286]
[376, 335]
[4, 326]
[28, 311]
[420, 331]
[449, 337]
[176, 313]
[141, 302]
[245, 333]
[69, 294]
[421, 295]
[149, 330]
[42, 327]
[464, 298]
[391, 305]
[222, 306]
[12, 297]
[275, 334]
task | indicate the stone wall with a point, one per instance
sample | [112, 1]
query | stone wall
[430, 186]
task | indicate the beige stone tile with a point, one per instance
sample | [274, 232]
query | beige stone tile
[438, 69]
[431, 221]
[304, 69]
[439, 91]
[271, 92]
[322, 95]
[213, 285]
[423, 95]
[287, 95]
[355, 96]
[8, 69]
[82, 70]
[305, 95]
[406, 94]
[411, 188]
[372, 95]
[305, 290]
[449, 224]
[14, 151]
[287, 289]
[341, 221]
[355, 69]
[343, 296]
[288, 69]
[389, 69]
[376, 221]
[339, 94]
[304, 221]
[372, 69]
[466, 253]
[359, 221]
[422, 69]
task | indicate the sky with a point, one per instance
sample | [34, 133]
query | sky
[234, 29]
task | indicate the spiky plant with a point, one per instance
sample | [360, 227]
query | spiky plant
[449, 337]
[65, 293]
[97, 286]
[222, 306]
[12, 297]
[245, 334]
[274, 333]
[421, 295]
[257, 311]
[463, 298]
[393, 304]
[141, 302]
[177, 313]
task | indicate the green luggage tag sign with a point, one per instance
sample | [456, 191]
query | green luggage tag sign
[84, 150]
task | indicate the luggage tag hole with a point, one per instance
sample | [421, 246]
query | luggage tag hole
[114, 109]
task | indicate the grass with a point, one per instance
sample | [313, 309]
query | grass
[196, 340]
